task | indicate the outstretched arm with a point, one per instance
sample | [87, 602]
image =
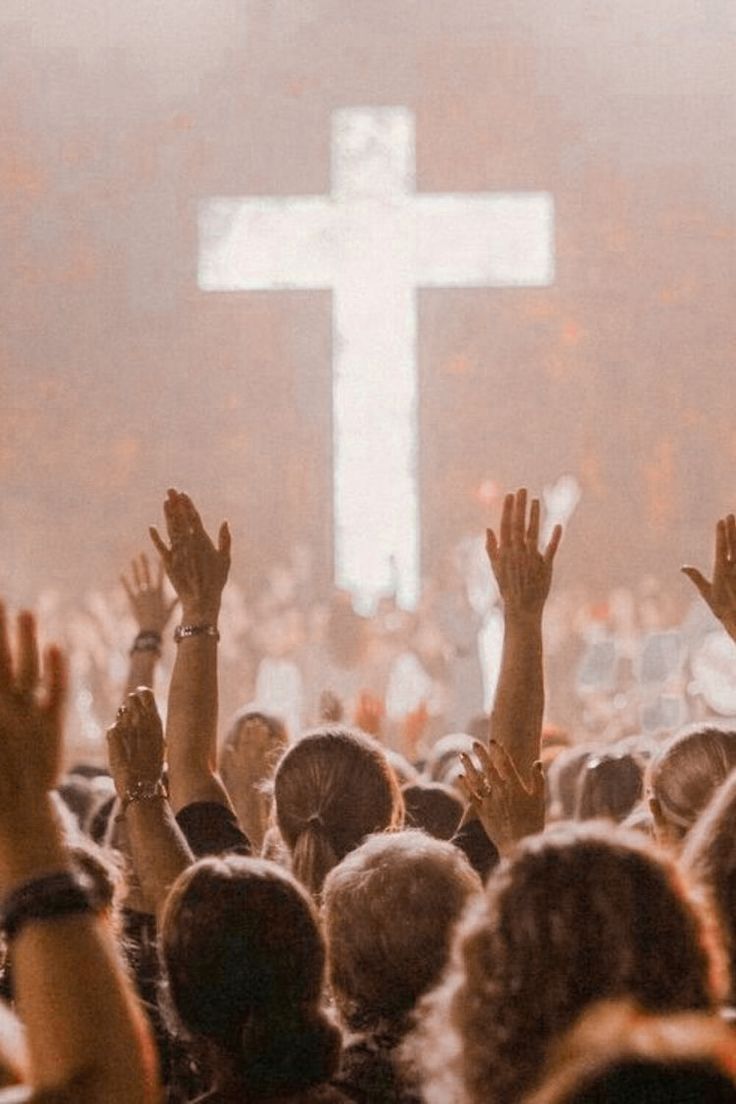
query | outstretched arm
[81, 1018]
[158, 849]
[152, 611]
[524, 576]
[198, 572]
[720, 594]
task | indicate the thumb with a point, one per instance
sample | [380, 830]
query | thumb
[224, 539]
[699, 580]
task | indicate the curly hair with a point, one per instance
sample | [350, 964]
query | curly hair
[577, 915]
[331, 789]
[244, 961]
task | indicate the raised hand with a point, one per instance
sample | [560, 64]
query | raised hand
[196, 568]
[720, 594]
[31, 719]
[331, 708]
[149, 604]
[507, 809]
[412, 730]
[136, 744]
[369, 713]
[523, 573]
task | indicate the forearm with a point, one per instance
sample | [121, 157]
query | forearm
[75, 1001]
[191, 724]
[159, 850]
[518, 710]
[141, 670]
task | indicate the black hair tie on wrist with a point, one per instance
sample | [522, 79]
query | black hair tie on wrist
[47, 898]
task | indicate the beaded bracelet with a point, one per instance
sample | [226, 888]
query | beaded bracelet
[47, 898]
[183, 632]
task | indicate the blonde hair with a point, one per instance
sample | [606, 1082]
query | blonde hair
[389, 910]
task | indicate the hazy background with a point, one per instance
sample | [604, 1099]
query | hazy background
[119, 378]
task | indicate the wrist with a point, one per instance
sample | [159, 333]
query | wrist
[31, 845]
[524, 619]
[200, 612]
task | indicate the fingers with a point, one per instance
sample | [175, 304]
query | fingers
[127, 588]
[191, 515]
[532, 533]
[731, 537]
[721, 549]
[699, 580]
[6, 662]
[161, 548]
[224, 540]
[28, 664]
[145, 571]
[56, 679]
[506, 517]
[492, 548]
[471, 797]
[518, 524]
[501, 761]
[554, 543]
[473, 775]
[177, 523]
[135, 572]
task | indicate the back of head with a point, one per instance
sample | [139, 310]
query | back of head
[434, 808]
[333, 788]
[710, 853]
[250, 751]
[562, 779]
[685, 773]
[443, 763]
[577, 915]
[389, 911]
[244, 961]
[618, 1055]
[609, 786]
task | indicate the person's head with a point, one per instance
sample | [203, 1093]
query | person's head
[683, 776]
[609, 785]
[333, 788]
[389, 910]
[244, 964]
[620, 1055]
[580, 914]
[443, 762]
[406, 774]
[562, 780]
[247, 760]
[433, 807]
[710, 855]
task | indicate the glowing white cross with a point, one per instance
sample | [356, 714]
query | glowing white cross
[373, 241]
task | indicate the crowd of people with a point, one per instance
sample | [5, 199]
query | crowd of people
[375, 908]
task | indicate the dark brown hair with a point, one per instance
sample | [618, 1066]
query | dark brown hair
[244, 960]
